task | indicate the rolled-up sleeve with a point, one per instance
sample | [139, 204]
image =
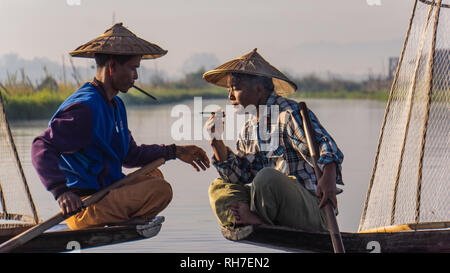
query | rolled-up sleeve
[238, 167]
[328, 150]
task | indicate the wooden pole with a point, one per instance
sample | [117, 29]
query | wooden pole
[411, 96]
[386, 113]
[35, 231]
[12, 146]
[427, 110]
[333, 228]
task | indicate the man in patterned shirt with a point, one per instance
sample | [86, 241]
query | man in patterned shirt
[269, 179]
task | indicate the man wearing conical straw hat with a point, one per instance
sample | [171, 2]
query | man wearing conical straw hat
[88, 141]
[272, 154]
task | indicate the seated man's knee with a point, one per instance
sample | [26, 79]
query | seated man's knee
[156, 173]
[168, 191]
[265, 177]
[163, 190]
[221, 192]
[217, 184]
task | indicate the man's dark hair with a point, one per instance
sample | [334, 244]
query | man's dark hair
[266, 82]
[101, 59]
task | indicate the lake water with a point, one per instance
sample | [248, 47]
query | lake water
[190, 224]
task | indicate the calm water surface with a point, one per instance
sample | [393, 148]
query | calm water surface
[190, 225]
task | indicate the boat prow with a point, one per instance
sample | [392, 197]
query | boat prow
[60, 238]
[296, 240]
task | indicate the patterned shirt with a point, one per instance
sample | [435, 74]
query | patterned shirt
[278, 141]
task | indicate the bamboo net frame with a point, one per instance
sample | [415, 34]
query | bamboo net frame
[430, 26]
[14, 219]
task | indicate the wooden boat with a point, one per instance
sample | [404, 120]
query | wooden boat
[295, 240]
[18, 212]
[60, 238]
[406, 208]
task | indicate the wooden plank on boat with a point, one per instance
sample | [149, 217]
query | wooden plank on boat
[65, 240]
[294, 240]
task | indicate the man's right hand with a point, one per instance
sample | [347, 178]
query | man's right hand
[193, 155]
[215, 125]
[70, 203]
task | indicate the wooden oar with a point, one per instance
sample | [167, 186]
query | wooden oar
[35, 231]
[333, 228]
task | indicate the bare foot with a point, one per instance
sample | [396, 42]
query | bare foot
[243, 215]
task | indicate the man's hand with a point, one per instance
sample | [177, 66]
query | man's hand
[215, 125]
[70, 203]
[326, 186]
[193, 155]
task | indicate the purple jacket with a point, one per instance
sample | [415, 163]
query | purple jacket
[69, 132]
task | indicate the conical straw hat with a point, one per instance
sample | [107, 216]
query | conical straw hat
[118, 40]
[253, 64]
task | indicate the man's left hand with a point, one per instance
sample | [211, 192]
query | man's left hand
[193, 155]
[326, 186]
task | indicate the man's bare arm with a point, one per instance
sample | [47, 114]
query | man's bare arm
[220, 150]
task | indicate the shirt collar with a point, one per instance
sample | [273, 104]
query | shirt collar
[270, 101]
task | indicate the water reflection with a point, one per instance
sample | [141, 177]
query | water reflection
[190, 224]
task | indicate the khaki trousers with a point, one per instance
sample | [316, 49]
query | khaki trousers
[276, 198]
[142, 198]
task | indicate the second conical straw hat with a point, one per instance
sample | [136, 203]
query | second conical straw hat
[118, 40]
[253, 64]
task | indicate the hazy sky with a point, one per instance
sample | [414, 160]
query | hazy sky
[298, 36]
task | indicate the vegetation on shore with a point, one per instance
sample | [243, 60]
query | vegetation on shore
[23, 100]
[381, 95]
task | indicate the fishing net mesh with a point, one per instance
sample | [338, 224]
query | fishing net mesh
[16, 205]
[410, 180]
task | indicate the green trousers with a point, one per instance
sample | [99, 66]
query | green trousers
[276, 198]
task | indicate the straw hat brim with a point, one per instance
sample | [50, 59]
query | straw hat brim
[119, 41]
[252, 64]
[219, 78]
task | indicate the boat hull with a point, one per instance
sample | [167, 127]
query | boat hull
[58, 240]
[294, 240]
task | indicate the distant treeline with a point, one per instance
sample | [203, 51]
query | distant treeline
[309, 84]
[25, 100]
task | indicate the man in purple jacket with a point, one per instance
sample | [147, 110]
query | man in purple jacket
[87, 141]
